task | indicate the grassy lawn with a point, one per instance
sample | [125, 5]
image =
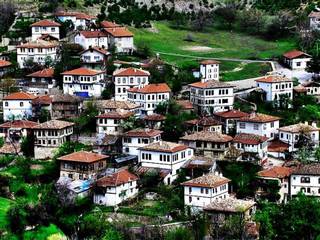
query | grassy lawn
[4, 207]
[213, 43]
[49, 232]
[146, 208]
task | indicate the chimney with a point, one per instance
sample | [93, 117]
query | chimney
[314, 124]
[306, 123]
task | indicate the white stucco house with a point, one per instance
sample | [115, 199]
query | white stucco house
[38, 51]
[306, 179]
[200, 192]
[110, 122]
[83, 82]
[95, 58]
[41, 82]
[79, 19]
[149, 96]
[115, 188]
[4, 67]
[137, 138]
[253, 146]
[296, 60]
[45, 27]
[209, 70]
[259, 124]
[229, 119]
[17, 106]
[121, 38]
[290, 134]
[314, 20]
[275, 87]
[165, 155]
[89, 39]
[126, 78]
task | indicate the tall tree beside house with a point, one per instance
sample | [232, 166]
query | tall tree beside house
[314, 66]
[7, 9]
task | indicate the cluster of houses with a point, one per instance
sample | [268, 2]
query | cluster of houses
[219, 133]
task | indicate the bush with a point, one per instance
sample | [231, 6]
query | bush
[179, 233]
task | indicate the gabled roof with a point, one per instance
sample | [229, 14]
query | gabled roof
[299, 127]
[231, 114]
[273, 79]
[251, 139]
[78, 15]
[54, 124]
[119, 32]
[45, 23]
[295, 54]
[276, 172]
[308, 169]
[154, 117]
[211, 84]
[42, 100]
[93, 34]
[204, 121]
[20, 96]
[185, 104]
[82, 72]
[259, 118]
[207, 136]
[39, 43]
[276, 145]
[97, 49]
[152, 88]
[209, 180]
[162, 146]
[113, 104]
[44, 73]
[142, 132]
[300, 89]
[314, 14]
[230, 205]
[83, 157]
[24, 124]
[311, 84]
[65, 98]
[130, 72]
[209, 62]
[109, 24]
[116, 179]
[4, 63]
[116, 115]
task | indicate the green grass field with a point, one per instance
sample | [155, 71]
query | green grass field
[4, 207]
[49, 232]
[212, 44]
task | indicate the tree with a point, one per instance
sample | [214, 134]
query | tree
[227, 14]
[202, 20]
[27, 146]
[7, 9]
[313, 66]
[179, 233]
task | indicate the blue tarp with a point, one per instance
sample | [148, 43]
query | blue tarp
[82, 94]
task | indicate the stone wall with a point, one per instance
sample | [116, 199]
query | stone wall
[44, 152]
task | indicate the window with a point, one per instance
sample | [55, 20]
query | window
[53, 29]
[207, 191]
[298, 64]
[190, 199]
[242, 125]
[256, 126]
[21, 104]
[6, 104]
[201, 190]
[190, 189]
[305, 180]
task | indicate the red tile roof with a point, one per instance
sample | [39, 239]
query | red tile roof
[78, 15]
[300, 89]
[314, 14]
[209, 62]
[185, 104]
[152, 88]
[207, 136]
[93, 34]
[142, 133]
[98, 49]
[82, 72]
[259, 118]
[231, 114]
[108, 24]
[116, 115]
[54, 124]
[39, 44]
[247, 138]
[83, 157]
[209, 180]
[4, 63]
[19, 124]
[163, 146]
[204, 121]
[277, 146]
[116, 179]
[211, 84]
[119, 32]
[44, 73]
[276, 172]
[20, 96]
[84, 16]
[130, 72]
[295, 54]
[273, 79]
[154, 117]
[42, 100]
[45, 23]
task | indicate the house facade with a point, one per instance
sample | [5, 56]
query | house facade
[229, 119]
[115, 188]
[4, 67]
[80, 20]
[209, 96]
[38, 51]
[121, 38]
[276, 88]
[149, 96]
[312, 88]
[65, 106]
[45, 27]
[82, 165]
[209, 144]
[259, 124]
[209, 124]
[165, 155]
[127, 78]
[200, 192]
[41, 81]
[49, 136]
[89, 39]
[17, 106]
[95, 58]
[137, 138]
[209, 70]
[110, 122]
[296, 60]
[314, 20]
[111, 105]
[291, 134]
[83, 82]
[14, 131]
